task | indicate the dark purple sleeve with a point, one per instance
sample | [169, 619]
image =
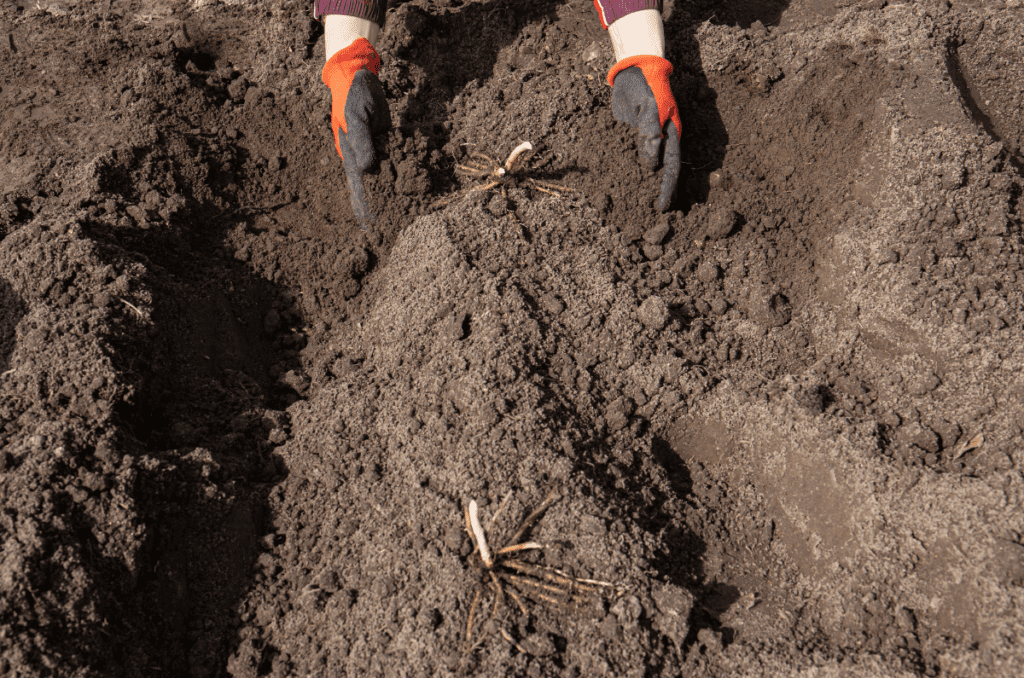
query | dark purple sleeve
[364, 9]
[611, 11]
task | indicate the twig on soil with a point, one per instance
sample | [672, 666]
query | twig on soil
[971, 445]
[252, 210]
[508, 636]
[138, 312]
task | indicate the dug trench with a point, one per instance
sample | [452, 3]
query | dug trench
[239, 434]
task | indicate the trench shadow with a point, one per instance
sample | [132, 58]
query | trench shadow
[711, 598]
[681, 559]
[742, 13]
[221, 385]
[625, 477]
[206, 403]
[12, 310]
[969, 95]
[705, 138]
[639, 486]
[192, 450]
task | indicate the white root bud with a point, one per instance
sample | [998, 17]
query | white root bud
[478, 532]
[524, 148]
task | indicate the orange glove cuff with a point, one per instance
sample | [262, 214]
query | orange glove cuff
[656, 71]
[338, 73]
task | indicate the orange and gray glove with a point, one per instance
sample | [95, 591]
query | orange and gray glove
[359, 110]
[642, 98]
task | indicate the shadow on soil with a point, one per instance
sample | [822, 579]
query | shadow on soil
[704, 137]
[741, 13]
[682, 561]
[968, 94]
[12, 309]
[209, 405]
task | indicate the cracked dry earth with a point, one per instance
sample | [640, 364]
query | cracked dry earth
[783, 420]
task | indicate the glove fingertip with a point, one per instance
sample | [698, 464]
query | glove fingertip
[357, 195]
[359, 207]
[668, 192]
[364, 216]
[673, 163]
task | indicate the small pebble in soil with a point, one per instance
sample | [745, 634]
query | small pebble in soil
[924, 383]
[628, 611]
[552, 304]
[328, 580]
[653, 313]
[710, 640]
[780, 311]
[888, 256]
[657, 233]
[295, 380]
[538, 645]
[708, 271]
[618, 413]
[722, 223]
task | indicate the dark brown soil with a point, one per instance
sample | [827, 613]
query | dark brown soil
[785, 421]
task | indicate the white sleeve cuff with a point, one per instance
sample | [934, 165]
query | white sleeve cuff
[340, 31]
[638, 34]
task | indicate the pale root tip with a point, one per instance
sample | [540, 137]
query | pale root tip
[524, 147]
[481, 539]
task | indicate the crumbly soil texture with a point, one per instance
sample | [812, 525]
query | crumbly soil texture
[777, 430]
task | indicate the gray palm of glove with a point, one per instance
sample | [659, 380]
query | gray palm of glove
[633, 103]
[366, 114]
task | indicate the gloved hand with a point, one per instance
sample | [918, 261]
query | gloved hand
[641, 97]
[358, 111]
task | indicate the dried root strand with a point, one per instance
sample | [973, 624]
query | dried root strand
[485, 187]
[535, 516]
[516, 548]
[508, 636]
[474, 606]
[551, 189]
[519, 602]
[501, 507]
[480, 165]
[526, 584]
